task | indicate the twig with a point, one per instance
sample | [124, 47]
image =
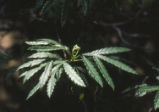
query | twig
[120, 34]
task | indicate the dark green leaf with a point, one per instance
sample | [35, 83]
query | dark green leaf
[118, 64]
[45, 75]
[104, 72]
[33, 91]
[92, 71]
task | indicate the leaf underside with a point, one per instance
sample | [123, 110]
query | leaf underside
[44, 55]
[45, 75]
[28, 74]
[72, 74]
[52, 81]
[31, 63]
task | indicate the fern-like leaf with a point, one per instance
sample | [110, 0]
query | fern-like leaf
[107, 50]
[33, 91]
[104, 72]
[45, 75]
[44, 55]
[117, 64]
[72, 74]
[31, 63]
[52, 81]
[156, 101]
[92, 71]
[146, 89]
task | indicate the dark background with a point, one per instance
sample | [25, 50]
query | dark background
[97, 24]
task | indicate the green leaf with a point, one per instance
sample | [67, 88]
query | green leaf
[30, 73]
[33, 91]
[36, 43]
[52, 81]
[92, 71]
[50, 41]
[117, 64]
[133, 88]
[78, 69]
[54, 46]
[45, 48]
[72, 74]
[45, 75]
[31, 63]
[156, 101]
[51, 85]
[146, 89]
[44, 55]
[104, 72]
[83, 70]
[58, 62]
[55, 43]
[59, 73]
[107, 50]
